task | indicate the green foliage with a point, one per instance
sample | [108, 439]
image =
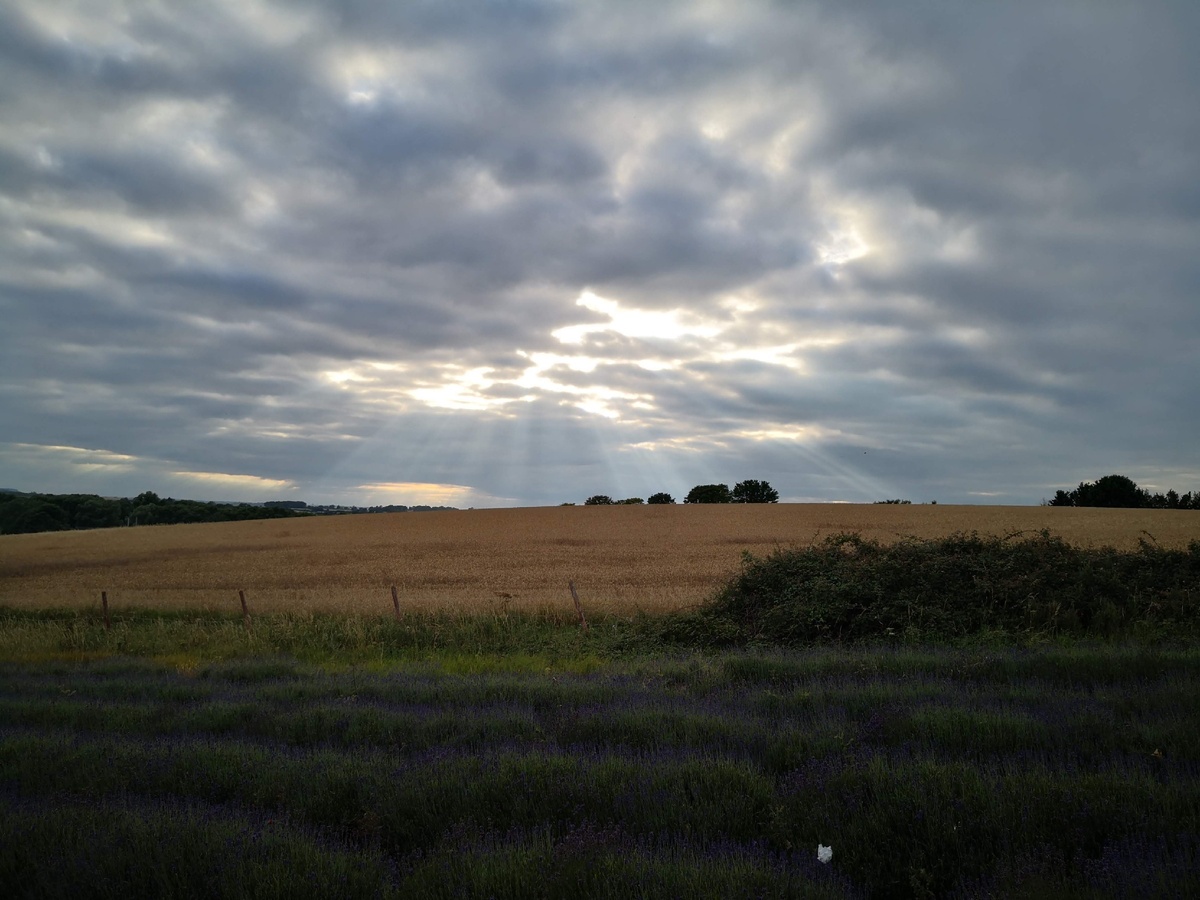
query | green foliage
[1121, 492]
[598, 500]
[21, 514]
[661, 497]
[29, 513]
[893, 503]
[462, 643]
[632, 501]
[709, 493]
[752, 491]
[849, 589]
[1113, 491]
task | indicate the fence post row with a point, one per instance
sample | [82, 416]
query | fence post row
[395, 605]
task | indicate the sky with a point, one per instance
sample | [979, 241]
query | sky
[520, 252]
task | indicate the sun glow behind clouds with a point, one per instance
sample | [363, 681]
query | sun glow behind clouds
[463, 390]
[413, 493]
[557, 375]
[633, 323]
[82, 459]
[577, 375]
[844, 245]
[225, 480]
[474, 389]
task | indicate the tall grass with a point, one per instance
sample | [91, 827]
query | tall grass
[454, 643]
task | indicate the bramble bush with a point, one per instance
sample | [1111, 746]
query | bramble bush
[852, 589]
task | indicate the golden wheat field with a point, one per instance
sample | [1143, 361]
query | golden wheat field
[621, 558]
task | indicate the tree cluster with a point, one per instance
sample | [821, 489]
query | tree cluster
[749, 491]
[1120, 492]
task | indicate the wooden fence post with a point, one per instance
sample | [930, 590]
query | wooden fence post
[396, 602]
[578, 606]
[104, 603]
[245, 611]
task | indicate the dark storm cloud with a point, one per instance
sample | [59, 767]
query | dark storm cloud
[140, 179]
[331, 244]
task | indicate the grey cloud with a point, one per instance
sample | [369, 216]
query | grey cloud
[561, 160]
[423, 22]
[141, 179]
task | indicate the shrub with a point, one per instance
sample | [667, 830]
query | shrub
[849, 589]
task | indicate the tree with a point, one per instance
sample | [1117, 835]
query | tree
[1062, 498]
[30, 514]
[751, 491]
[1114, 491]
[632, 501]
[96, 512]
[661, 497]
[598, 500]
[709, 493]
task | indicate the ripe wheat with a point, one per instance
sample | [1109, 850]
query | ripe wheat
[623, 559]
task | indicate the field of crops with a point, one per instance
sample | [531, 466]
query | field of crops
[623, 559]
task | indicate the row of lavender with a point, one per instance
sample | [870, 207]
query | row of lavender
[926, 773]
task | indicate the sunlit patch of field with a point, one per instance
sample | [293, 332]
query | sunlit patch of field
[623, 559]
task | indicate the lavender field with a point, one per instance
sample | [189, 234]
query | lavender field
[1070, 772]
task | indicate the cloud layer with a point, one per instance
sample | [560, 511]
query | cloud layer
[522, 252]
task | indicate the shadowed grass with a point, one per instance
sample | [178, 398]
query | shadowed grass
[455, 644]
[123, 848]
[929, 771]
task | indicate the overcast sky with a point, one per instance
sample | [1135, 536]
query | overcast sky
[518, 252]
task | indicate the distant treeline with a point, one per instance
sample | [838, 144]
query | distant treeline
[1118, 491]
[29, 513]
[22, 513]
